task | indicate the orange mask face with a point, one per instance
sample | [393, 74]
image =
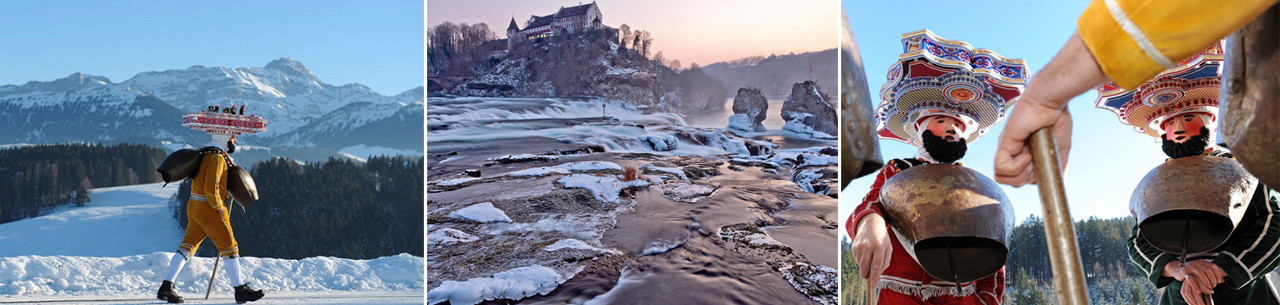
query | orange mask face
[1182, 127]
[946, 127]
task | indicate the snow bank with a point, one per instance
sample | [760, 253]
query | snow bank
[481, 212]
[512, 284]
[140, 275]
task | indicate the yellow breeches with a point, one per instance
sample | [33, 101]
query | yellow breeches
[203, 221]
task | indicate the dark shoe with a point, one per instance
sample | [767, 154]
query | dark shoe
[167, 294]
[246, 294]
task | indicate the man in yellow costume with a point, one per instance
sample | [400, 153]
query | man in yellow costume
[207, 216]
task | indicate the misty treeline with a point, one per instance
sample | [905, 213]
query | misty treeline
[774, 74]
[1110, 277]
[337, 208]
[36, 179]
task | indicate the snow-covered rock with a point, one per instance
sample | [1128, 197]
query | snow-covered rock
[808, 112]
[669, 170]
[523, 158]
[565, 169]
[660, 142]
[481, 212]
[455, 181]
[512, 284]
[602, 188]
[573, 243]
[686, 192]
[449, 236]
[749, 109]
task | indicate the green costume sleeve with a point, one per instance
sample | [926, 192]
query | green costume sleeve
[1149, 259]
[1256, 254]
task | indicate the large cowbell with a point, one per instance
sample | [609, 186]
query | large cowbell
[859, 145]
[1250, 98]
[185, 163]
[179, 165]
[1191, 204]
[953, 221]
[241, 186]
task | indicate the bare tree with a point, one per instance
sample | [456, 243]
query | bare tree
[645, 41]
[624, 32]
[658, 60]
[455, 48]
[442, 40]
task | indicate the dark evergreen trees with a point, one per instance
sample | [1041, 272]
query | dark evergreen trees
[35, 179]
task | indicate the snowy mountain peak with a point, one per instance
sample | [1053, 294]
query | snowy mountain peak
[291, 67]
[72, 82]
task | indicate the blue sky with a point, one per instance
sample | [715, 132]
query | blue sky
[1107, 158]
[376, 43]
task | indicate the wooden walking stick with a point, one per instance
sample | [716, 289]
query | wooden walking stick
[215, 273]
[1064, 255]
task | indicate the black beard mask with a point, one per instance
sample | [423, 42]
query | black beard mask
[943, 151]
[1194, 146]
[231, 147]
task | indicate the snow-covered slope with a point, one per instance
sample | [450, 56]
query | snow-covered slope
[393, 125]
[119, 244]
[85, 108]
[118, 221]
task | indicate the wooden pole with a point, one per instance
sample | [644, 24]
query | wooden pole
[215, 273]
[1068, 274]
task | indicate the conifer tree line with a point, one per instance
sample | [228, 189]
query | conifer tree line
[1110, 277]
[337, 208]
[36, 179]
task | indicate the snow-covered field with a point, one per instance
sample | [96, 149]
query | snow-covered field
[362, 152]
[115, 249]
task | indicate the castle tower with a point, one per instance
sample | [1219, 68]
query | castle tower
[512, 31]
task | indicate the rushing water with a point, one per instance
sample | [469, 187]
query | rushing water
[457, 122]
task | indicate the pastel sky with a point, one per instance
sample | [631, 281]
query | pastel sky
[1107, 158]
[702, 32]
[375, 43]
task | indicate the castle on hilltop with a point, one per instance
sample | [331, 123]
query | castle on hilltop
[571, 19]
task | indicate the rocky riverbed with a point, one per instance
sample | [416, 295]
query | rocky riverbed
[547, 201]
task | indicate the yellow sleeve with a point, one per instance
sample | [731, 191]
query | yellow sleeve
[1133, 40]
[212, 168]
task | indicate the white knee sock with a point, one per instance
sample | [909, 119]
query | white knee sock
[233, 271]
[175, 266]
